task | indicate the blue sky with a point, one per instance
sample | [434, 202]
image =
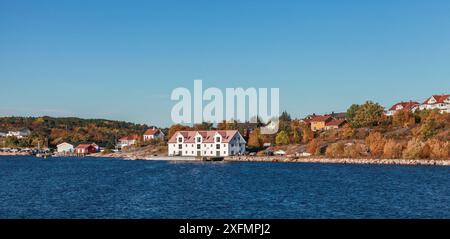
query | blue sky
[121, 59]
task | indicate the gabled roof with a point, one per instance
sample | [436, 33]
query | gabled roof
[406, 105]
[320, 118]
[84, 146]
[152, 131]
[335, 122]
[208, 136]
[438, 98]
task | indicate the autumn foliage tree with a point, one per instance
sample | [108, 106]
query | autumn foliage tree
[375, 142]
[255, 139]
[282, 138]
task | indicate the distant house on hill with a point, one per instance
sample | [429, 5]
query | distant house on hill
[408, 106]
[318, 122]
[128, 140]
[325, 122]
[335, 124]
[19, 134]
[64, 148]
[153, 133]
[439, 102]
[84, 149]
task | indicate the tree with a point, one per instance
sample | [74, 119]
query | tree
[392, 149]
[203, 126]
[413, 149]
[282, 138]
[255, 140]
[368, 114]
[313, 147]
[403, 118]
[307, 133]
[375, 142]
[347, 132]
[177, 127]
[295, 137]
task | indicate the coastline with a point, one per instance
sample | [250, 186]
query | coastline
[431, 162]
[269, 159]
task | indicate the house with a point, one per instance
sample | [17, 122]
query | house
[212, 143]
[64, 148]
[19, 134]
[408, 106]
[334, 124]
[318, 122]
[84, 149]
[153, 133]
[3, 134]
[128, 140]
[439, 102]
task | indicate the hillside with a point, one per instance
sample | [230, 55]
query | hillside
[50, 131]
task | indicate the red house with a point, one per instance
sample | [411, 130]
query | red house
[85, 149]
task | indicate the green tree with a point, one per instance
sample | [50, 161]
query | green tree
[368, 114]
[282, 138]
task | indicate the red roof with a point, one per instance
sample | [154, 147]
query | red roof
[208, 136]
[131, 137]
[320, 118]
[84, 146]
[151, 131]
[406, 105]
[438, 98]
[335, 122]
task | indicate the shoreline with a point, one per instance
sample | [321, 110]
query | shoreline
[270, 159]
[279, 159]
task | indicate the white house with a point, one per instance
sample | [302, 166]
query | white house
[409, 106]
[19, 134]
[213, 143]
[153, 134]
[440, 102]
[64, 148]
[128, 140]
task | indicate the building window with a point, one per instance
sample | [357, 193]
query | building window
[180, 140]
[224, 152]
[217, 146]
[180, 146]
[186, 152]
[217, 139]
[198, 146]
[224, 145]
[199, 139]
[192, 152]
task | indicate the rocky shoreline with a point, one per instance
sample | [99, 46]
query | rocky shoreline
[343, 160]
[294, 160]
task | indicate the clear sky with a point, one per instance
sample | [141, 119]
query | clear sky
[121, 59]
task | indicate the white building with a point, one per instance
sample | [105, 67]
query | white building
[213, 143]
[64, 148]
[153, 134]
[440, 102]
[409, 106]
[128, 141]
[19, 134]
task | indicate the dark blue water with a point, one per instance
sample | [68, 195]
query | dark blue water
[114, 188]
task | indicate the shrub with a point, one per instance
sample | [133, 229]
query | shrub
[392, 149]
[336, 150]
[355, 151]
[375, 142]
[413, 150]
[438, 149]
[313, 147]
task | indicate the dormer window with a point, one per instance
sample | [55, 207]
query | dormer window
[199, 140]
[180, 140]
[217, 139]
